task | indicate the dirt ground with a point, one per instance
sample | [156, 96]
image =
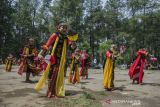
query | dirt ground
[14, 92]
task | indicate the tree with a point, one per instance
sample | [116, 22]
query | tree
[69, 11]
[6, 28]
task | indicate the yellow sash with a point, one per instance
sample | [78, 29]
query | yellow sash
[43, 78]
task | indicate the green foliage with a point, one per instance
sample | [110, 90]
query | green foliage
[105, 46]
[88, 96]
[84, 46]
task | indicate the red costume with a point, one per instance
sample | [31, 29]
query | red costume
[136, 69]
[85, 62]
[27, 61]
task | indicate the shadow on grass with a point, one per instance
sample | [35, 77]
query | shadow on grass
[84, 82]
[72, 92]
[19, 92]
[121, 88]
[32, 82]
[151, 84]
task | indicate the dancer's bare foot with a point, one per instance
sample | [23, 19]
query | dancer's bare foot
[51, 96]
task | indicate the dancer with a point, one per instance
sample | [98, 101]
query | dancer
[27, 60]
[136, 70]
[74, 72]
[55, 69]
[85, 63]
[9, 62]
[109, 66]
